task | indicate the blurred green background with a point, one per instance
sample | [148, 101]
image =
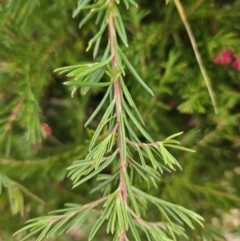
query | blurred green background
[41, 126]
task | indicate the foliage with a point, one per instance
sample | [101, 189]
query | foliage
[137, 52]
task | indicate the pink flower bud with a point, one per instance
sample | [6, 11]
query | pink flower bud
[236, 64]
[224, 57]
[47, 130]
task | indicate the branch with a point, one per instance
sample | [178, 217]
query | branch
[14, 115]
[140, 221]
[89, 205]
[118, 101]
[196, 52]
[118, 112]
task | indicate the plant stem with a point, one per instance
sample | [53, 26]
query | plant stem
[118, 112]
[14, 114]
[196, 52]
[89, 205]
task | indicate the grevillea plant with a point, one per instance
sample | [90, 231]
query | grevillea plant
[125, 158]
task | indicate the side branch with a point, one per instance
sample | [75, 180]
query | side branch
[14, 115]
[83, 208]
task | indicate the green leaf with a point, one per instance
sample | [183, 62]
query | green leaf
[130, 193]
[121, 221]
[96, 227]
[103, 121]
[123, 149]
[164, 214]
[147, 169]
[91, 6]
[87, 84]
[149, 238]
[171, 141]
[93, 68]
[86, 19]
[99, 107]
[97, 36]
[112, 221]
[126, 3]
[100, 152]
[130, 100]
[120, 24]
[118, 56]
[108, 203]
[100, 8]
[134, 73]
[99, 73]
[151, 157]
[67, 69]
[76, 174]
[80, 5]
[179, 148]
[124, 211]
[99, 17]
[96, 77]
[83, 70]
[133, 3]
[164, 153]
[134, 231]
[111, 207]
[59, 225]
[105, 183]
[126, 93]
[94, 173]
[140, 155]
[183, 213]
[184, 218]
[31, 233]
[28, 226]
[137, 124]
[174, 135]
[96, 47]
[120, 30]
[113, 136]
[130, 130]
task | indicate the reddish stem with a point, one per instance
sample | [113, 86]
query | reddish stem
[118, 101]
[118, 110]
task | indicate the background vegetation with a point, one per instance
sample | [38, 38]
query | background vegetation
[42, 128]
